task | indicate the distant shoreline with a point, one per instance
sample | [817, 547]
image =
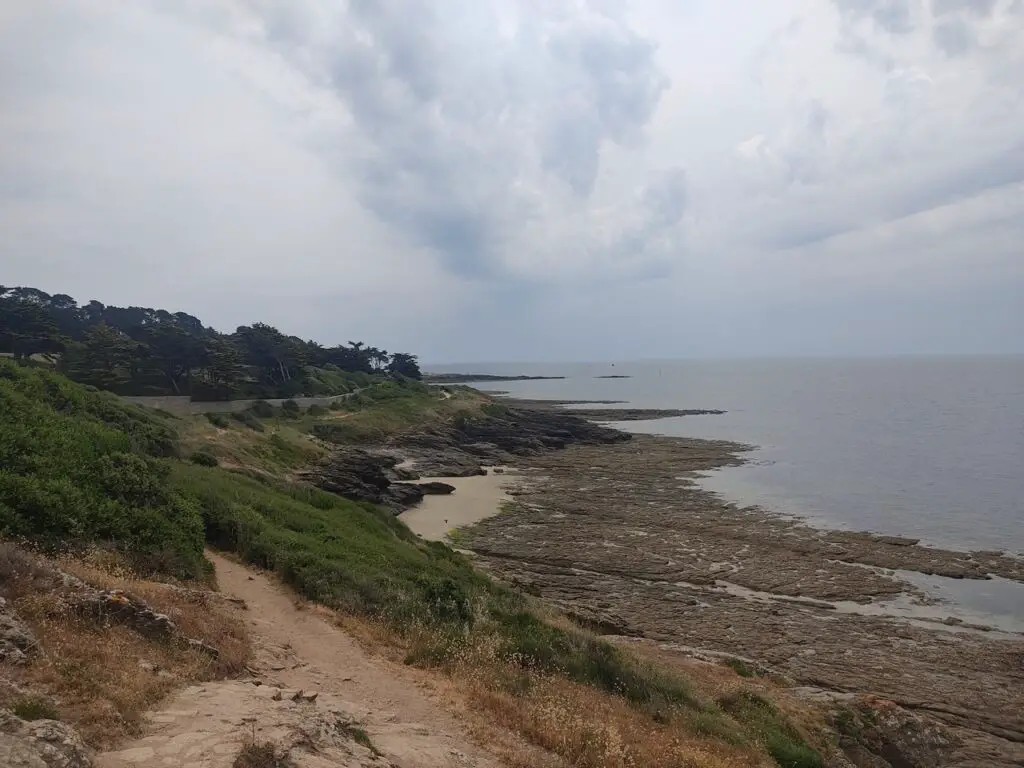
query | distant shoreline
[460, 378]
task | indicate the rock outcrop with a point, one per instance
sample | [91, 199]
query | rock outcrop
[436, 488]
[456, 449]
[461, 448]
[40, 744]
[16, 639]
[363, 475]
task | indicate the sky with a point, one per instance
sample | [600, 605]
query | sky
[528, 180]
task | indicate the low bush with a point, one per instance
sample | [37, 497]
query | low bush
[262, 409]
[35, 708]
[248, 419]
[218, 420]
[290, 409]
[261, 755]
[203, 459]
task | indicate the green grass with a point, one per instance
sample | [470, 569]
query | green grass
[352, 556]
[781, 740]
[389, 408]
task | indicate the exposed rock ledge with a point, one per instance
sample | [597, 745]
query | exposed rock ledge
[457, 449]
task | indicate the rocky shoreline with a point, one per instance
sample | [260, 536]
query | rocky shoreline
[613, 529]
[622, 537]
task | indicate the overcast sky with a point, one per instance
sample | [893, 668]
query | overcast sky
[528, 179]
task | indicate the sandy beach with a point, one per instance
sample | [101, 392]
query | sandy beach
[474, 499]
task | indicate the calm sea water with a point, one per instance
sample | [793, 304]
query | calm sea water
[931, 448]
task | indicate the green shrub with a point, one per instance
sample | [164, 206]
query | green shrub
[290, 409]
[204, 459]
[740, 667]
[77, 466]
[316, 410]
[262, 409]
[248, 418]
[218, 420]
[35, 708]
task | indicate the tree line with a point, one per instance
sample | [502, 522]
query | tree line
[143, 351]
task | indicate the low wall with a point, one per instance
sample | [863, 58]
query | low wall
[183, 406]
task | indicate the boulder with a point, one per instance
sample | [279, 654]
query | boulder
[879, 733]
[40, 744]
[400, 496]
[16, 639]
[436, 488]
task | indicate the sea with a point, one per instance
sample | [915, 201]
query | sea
[926, 447]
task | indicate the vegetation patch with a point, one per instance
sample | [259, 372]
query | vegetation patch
[77, 466]
[218, 420]
[261, 754]
[203, 459]
[358, 735]
[34, 708]
[781, 739]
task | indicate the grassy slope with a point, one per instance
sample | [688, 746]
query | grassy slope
[79, 466]
[76, 465]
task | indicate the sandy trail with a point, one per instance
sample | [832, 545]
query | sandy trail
[475, 498]
[295, 648]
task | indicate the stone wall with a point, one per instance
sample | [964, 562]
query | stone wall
[184, 406]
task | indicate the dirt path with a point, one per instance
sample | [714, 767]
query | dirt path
[296, 649]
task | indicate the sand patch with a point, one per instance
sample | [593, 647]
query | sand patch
[474, 499]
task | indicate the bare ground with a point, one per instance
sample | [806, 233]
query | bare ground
[368, 711]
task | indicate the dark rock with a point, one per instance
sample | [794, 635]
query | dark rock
[447, 463]
[401, 496]
[436, 488]
[638, 414]
[401, 475]
[355, 474]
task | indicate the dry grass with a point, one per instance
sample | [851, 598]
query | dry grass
[591, 729]
[279, 449]
[261, 755]
[104, 679]
[578, 725]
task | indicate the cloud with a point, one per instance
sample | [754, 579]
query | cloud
[420, 173]
[898, 17]
[478, 120]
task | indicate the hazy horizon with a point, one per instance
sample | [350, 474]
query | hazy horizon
[428, 365]
[471, 179]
